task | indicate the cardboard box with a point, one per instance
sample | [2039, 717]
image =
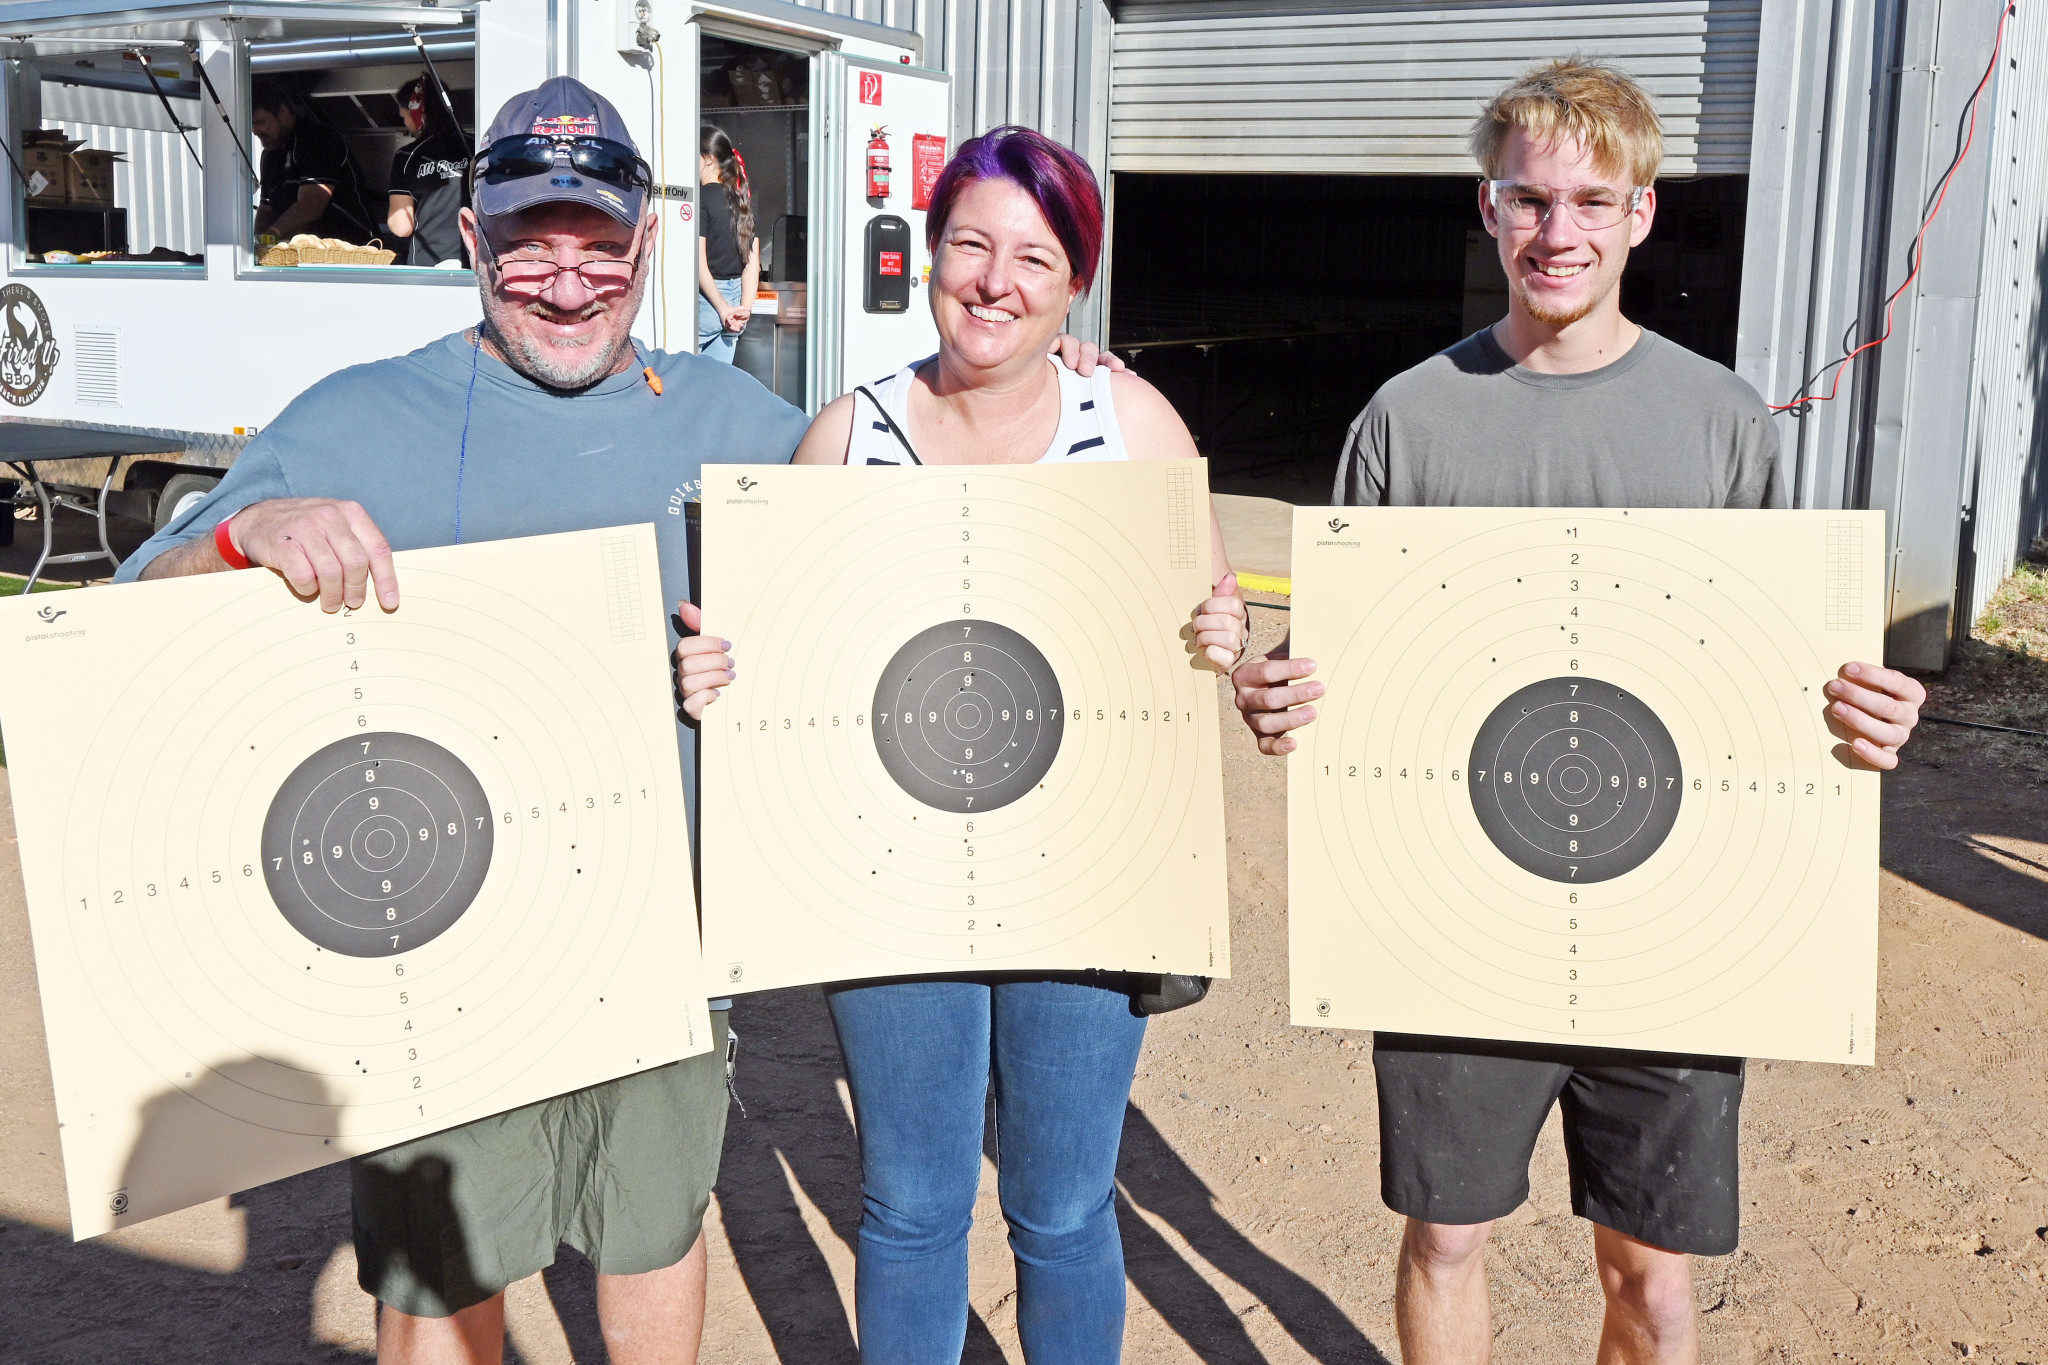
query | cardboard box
[46, 165]
[89, 179]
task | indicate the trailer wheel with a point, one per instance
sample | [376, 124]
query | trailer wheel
[180, 493]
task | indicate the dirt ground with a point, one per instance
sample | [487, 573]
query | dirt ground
[1891, 1213]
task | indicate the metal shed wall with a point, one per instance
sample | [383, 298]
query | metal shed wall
[1390, 86]
[2007, 494]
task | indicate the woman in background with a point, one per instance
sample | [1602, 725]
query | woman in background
[427, 178]
[728, 251]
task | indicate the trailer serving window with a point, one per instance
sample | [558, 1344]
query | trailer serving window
[106, 161]
[360, 143]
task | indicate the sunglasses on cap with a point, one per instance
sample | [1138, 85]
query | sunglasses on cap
[529, 154]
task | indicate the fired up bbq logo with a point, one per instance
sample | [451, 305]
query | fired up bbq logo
[28, 352]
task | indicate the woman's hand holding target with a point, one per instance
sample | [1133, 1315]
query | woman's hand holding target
[702, 664]
[1222, 625]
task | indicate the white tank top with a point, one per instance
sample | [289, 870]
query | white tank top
[1087, 432]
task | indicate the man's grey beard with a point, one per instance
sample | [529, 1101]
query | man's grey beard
[571, 367]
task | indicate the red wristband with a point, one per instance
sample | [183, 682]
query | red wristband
[225, 545]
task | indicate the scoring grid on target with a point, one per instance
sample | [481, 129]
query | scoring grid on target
[1424, 586]
[269, 975]
[911, 602]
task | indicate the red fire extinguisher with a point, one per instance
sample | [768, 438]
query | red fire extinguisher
[878, 166]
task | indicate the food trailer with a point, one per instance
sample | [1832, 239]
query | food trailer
[142, 313]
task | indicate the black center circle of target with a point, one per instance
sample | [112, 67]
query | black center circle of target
[1575, 780]
[376, 844]
[967, 716]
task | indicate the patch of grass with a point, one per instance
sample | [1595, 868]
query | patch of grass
[2016, 617]
[10, 586]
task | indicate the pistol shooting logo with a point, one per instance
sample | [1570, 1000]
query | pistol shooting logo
[28, 354]
[49, 614]
[1336, 525]
[746, 483]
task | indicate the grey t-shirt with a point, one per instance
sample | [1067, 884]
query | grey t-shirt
[389, 435]
[1659, 427]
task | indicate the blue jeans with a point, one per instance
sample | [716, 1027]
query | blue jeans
[920, 1057]
[712, 338]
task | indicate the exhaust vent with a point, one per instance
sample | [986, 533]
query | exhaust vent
[96, 360]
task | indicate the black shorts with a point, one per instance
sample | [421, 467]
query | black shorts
[1649, 1136]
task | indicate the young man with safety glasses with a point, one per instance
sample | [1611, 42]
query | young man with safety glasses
[1563, 403]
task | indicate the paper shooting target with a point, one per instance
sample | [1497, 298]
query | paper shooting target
[969, 729]
[1572, 779]
[497, 904]
[959, 718]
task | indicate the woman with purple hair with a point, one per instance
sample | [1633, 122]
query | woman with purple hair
[1015, 232]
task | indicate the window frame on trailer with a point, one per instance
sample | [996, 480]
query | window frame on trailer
[13, 73]
[242, 108]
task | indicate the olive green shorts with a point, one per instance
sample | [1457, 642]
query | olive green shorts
[622, 1172]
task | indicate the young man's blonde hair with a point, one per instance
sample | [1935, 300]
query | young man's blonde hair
[1574, 100]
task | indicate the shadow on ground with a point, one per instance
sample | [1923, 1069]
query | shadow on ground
[84, 1303]
[1983, 851]
[797, 1136]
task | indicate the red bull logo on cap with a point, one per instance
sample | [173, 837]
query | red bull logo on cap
[565, 125]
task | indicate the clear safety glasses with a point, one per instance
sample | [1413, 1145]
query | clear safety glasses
[1524, 206]
[529, 274]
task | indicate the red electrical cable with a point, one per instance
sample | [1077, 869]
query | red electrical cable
[1807, 400]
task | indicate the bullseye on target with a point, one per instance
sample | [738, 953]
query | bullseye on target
[968, 716]
[1575, 780]
[377, 844]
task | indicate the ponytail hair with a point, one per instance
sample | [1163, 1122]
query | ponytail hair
[732, 175]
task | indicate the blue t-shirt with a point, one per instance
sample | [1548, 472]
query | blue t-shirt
[389, 435]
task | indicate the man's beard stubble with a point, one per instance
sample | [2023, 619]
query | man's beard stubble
[1560, 318]
[571, 367]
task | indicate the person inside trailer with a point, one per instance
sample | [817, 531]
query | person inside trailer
[309, 182]
[427, 176]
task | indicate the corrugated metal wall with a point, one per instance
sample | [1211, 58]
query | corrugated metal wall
[2009, 390]
[1390, 86]
[156, 181]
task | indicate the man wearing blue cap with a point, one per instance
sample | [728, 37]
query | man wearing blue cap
[546, 417]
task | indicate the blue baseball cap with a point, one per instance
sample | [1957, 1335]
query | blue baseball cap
[561, 107]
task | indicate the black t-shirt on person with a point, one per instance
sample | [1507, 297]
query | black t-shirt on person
[432, 170]
[721, 244]
[316, 155]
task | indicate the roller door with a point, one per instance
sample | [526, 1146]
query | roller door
[1390, 88]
